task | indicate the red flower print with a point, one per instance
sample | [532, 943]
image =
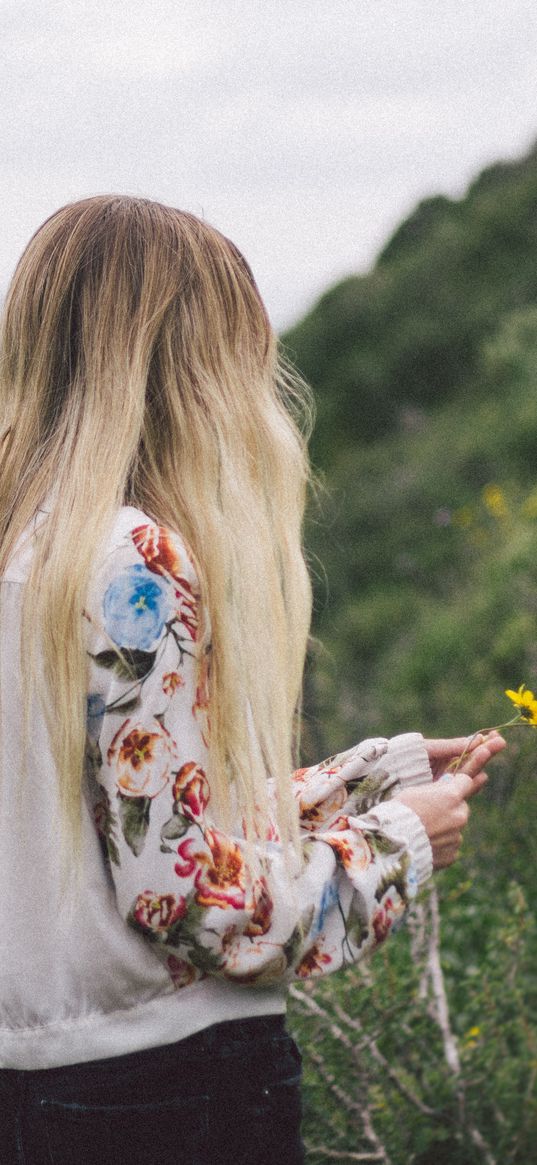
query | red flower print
[262, 912]
[182, 974]
[351, 850]
[187, 607]
[220, 882]
[343, 850]
[390, 910]
[200, 707]
[171, 682]
[319, 810]
[141, 757]
[158, 912]
[160, 553]
[313, 962]
[158, 549]
[191, 791]
[189, 861]
[341, 823]
[219, 879]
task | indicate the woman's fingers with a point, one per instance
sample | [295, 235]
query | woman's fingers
[444, 856]
[443, 809]
[450, 754]
[443, 753]
[444, 749]
[481, 755]
[478, 782]
[443, 806]
[469, 788]
[458, 785]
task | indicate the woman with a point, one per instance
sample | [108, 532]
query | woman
[163, 878]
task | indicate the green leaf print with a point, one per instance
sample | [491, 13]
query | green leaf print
[292, 947]
[368, 785]
[382, 845]
[112, 850]
[134, 818]
[396, 877]
[93, 760]
[172, 829]
[107, 825]
[130, 664]
[175, 827]
[126, 708]
[203, 958]
[356, 928]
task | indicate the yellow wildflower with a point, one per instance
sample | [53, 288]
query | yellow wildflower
[471, 1038]
[525, 701]
[526, 705]
[494, 499]
[529, 508]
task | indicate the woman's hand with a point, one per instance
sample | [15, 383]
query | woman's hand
[444, 753]
[443, 807]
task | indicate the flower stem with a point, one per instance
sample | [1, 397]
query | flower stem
[517, 721]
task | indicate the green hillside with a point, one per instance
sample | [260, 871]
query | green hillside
[424, 552]
[409, 334]
[425, 376]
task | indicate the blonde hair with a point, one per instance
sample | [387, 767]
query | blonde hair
[138, 366]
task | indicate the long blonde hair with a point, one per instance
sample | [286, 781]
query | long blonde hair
[138, 366]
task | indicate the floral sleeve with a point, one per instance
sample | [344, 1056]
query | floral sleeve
[179, 881]
[354, 781]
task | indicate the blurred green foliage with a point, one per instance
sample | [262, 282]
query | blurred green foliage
[425, 375]
[425, 602]
[380, 1082]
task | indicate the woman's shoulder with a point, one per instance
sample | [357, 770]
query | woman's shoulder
[143, 578]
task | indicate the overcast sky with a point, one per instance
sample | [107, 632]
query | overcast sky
[304, 129]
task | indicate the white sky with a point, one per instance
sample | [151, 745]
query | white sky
[303, 129]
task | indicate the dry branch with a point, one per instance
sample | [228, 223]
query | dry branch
[337, 1155]
[352, 1105]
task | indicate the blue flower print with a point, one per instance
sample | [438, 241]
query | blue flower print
[412, 881]
[329, 898]
[96, 708]
[136, 607]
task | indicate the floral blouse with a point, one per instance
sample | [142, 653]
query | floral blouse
[181, 883]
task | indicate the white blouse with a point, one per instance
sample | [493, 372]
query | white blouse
[168, 929]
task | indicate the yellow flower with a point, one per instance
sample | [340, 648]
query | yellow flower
[494, 499]
[471, 1038]
[525, 701]
[529, 508]
[526, 705]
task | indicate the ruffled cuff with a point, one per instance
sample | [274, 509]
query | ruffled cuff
[407, 759]
[404, 826]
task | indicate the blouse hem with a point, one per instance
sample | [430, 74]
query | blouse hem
[163, 1020]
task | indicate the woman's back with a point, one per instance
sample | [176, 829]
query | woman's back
[163, 872]
[69, 974]
[76, 982]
